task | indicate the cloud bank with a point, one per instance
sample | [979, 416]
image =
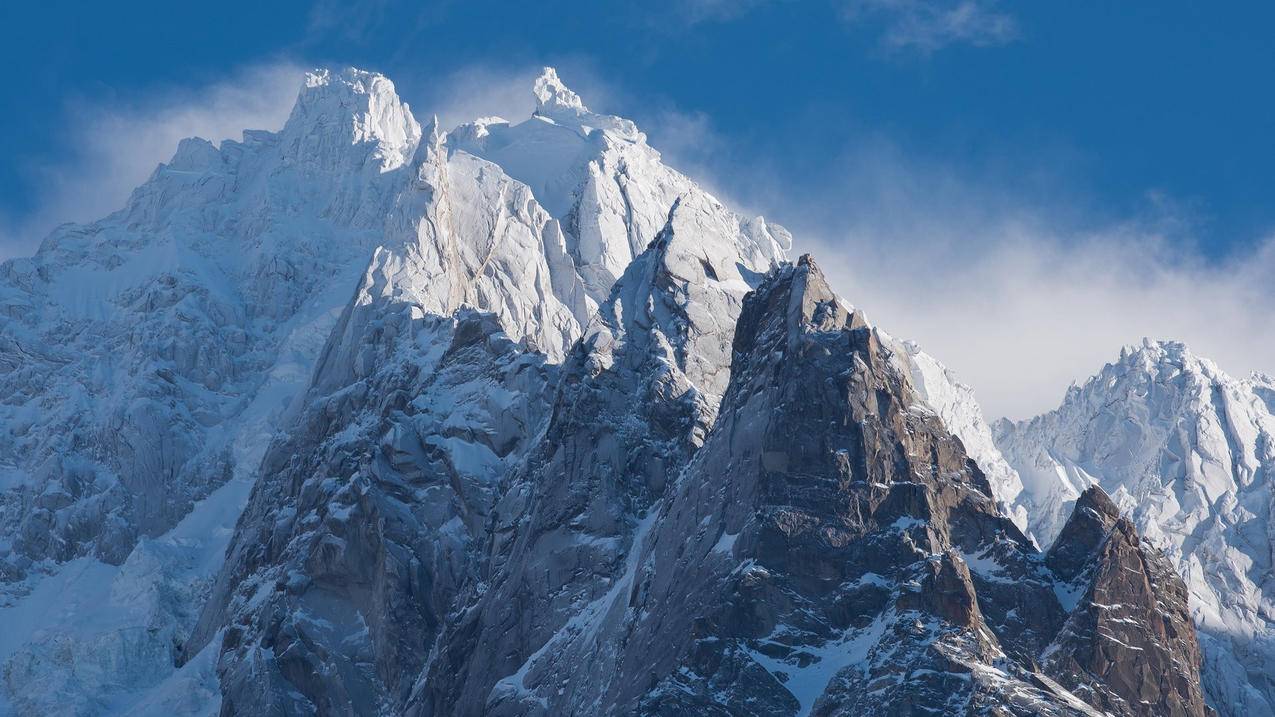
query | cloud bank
[1023, 315]
[1011, 290]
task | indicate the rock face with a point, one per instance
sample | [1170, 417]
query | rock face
[1128, 644]
[363, 525]
[1187, 453]
[451, 423]
[364, 418]
[637, 398]
[959, 410]
[828, 548]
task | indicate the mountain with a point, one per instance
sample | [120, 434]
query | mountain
[1188, 453]
[959, 410]
[365, 417]
[146, 369]
[449, 414]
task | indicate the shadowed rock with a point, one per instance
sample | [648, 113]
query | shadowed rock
[1129, 645]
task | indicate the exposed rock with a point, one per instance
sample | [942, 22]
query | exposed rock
[829, 550]
[368, 520]
[1128, 646]
[637, 397]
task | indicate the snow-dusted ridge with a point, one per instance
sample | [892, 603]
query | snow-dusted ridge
[956, 405]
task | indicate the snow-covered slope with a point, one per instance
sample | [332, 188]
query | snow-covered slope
[134, 347]
[1189, 453]
[146, 360]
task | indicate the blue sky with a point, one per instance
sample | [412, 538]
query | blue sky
[989, 138]
[1122, 105]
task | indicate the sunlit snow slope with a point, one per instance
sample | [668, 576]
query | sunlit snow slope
[1189, 452]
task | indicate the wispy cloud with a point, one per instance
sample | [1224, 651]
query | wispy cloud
[693, 12]
[1007, 272]
[479, 90]
[930, 25]
[1017, 293]
[114, 147]
[920, 27]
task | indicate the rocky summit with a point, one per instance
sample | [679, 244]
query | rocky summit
[370, 417]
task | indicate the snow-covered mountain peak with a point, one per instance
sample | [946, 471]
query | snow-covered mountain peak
[1157, 382]
[596, 175]
[551, 94]
[1157, 358]
[351, 107]
[557, 103]
[1113, 427]
[551, 151]
[193, 154]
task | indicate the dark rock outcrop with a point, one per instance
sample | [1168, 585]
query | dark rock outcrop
[1129, 645]
[637, 397]
[369, 519]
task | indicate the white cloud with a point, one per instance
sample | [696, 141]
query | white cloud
[930, 25]
[113, 148]
[1013, 293]
[481, 90]
[1022, 318]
